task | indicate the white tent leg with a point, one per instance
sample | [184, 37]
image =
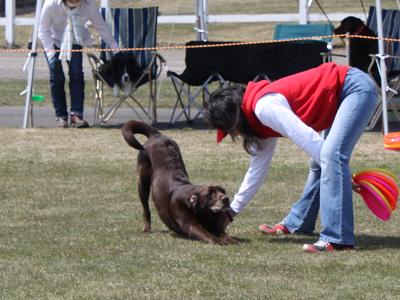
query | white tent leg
[382, 64]
[31, 65]
[303, 11]
[202, 20]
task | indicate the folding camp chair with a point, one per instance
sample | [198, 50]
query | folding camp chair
[391, 29]
[132, 28]
[186, 96]
[193, 83]
[206, 63]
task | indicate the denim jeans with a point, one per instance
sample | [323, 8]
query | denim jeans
[328, 188]
[76, 84]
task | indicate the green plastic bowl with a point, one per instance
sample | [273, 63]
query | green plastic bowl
[38, 98]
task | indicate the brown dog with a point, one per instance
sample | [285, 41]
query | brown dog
[197, 211]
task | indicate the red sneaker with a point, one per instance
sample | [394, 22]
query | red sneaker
[277, 229]
[322, 246]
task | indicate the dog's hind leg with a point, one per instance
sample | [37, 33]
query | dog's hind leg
[145, 171]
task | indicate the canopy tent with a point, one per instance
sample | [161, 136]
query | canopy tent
[201, 28]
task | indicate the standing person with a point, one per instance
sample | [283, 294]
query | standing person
[62, 27]
[338, 100]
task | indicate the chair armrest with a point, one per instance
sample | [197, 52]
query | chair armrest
[92, 56]
[161, 58]
[94, 61]
[156, 57]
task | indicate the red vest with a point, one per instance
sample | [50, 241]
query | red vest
[312, 95]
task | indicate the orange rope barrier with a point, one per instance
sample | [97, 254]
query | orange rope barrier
[209, 45]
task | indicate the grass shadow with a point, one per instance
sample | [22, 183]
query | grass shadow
[295, 238]
[175, 235]
[364, 242]
[375, 242]
[197, 124]
[180, 236]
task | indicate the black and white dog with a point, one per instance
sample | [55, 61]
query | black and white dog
[125, 71]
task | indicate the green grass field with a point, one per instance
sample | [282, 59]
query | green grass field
[71, 220]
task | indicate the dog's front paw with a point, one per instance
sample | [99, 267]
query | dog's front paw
[229, 240]
[232, 241]
[221, 242]
[225, 241]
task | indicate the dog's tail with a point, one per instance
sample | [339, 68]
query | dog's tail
[131, 128]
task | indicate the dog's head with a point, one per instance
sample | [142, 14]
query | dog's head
[349, 25]
[208, 198]
[125, 70]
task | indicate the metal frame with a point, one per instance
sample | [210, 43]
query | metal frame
[183, 89]
[103, 114]
[391, 91]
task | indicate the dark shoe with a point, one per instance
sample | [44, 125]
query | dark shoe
[322, 246]
[62, 122]
[78, 122]
[278, 229]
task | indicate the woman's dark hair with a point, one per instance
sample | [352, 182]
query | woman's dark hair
[222, 111]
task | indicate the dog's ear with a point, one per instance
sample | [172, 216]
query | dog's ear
[214, 191]
[198, 198]
[115, 66]
[105, 72]
[193, 202]
[221, 189]
[134, 67]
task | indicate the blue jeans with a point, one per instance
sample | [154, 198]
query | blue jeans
[328, 187]
[76, 84]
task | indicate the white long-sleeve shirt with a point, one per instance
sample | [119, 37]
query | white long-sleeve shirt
[274, 111]
[53, 22]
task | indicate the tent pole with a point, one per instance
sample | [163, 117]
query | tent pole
[382, 64]
[303, 11]
[205, 9]
[201, 20]
[31, 65]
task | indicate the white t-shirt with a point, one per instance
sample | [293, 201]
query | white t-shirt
[53, 21]
[274, 111]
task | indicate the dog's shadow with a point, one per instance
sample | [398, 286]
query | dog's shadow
[178, 236]
[364, 242]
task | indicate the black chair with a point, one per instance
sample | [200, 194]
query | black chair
[237, 64]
